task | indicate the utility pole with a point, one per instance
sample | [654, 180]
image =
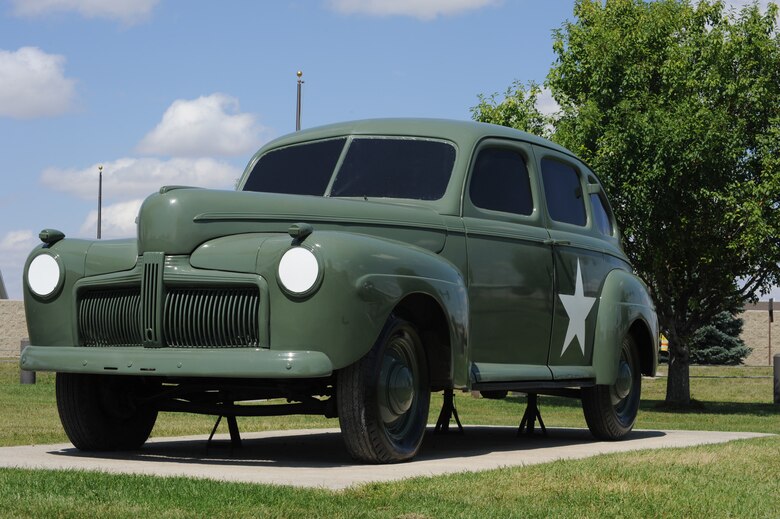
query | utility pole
[100, 199]
[771, 320]
[298, 106]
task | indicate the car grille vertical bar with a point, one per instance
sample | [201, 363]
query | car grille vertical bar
[151, 295]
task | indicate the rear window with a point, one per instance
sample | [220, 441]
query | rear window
[395, 168]
[601, 214]
[563, 192]
[304, 169]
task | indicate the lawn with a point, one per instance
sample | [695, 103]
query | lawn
[730, 480]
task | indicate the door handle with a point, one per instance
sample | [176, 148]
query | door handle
[556, 242]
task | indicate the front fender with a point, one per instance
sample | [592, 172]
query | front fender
[363, 280]
[625, 307]
[50, 321]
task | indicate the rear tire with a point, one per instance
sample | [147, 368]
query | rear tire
[383, 398]
[610, 411]
[101, 413]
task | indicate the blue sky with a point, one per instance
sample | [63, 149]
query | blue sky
[183, 92]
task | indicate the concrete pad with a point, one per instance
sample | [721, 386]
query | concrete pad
[318, 458]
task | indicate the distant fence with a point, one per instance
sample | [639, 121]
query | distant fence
[756, 334]
[13, 328]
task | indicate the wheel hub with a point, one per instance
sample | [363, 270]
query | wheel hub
[396, 389]
[400, 392]
[624, 381]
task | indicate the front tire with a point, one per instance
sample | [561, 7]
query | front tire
[610, 411]
[101, 413]
[383, 398]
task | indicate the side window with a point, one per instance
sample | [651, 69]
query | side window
[500, 182]
[601, 214]
[563, 192]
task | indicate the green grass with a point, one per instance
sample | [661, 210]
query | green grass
[736, 479]
[711, 481]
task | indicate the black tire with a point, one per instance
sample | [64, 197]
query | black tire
[383, 398]
[100, 412]
[610, 411]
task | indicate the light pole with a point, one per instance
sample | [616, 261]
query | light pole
[100, 199]
[298, 106]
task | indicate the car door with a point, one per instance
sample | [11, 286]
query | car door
[578, 244]
[510, 267]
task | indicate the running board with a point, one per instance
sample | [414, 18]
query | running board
[569, 387]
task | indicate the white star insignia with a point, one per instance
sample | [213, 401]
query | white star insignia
[577, 307]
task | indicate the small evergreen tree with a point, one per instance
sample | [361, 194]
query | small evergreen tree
[719, 342]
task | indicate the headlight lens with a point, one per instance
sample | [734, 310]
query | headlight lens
[299, 270]
[43, 275]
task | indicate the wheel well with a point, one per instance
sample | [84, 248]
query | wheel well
[428, 317]
[644, 340]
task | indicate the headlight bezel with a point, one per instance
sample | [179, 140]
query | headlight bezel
[42, 266]
[290, 277]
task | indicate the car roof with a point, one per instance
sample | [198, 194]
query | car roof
[463, 133]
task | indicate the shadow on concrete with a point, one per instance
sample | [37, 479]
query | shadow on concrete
[715, 408]
[325, 449]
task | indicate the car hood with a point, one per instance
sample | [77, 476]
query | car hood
[176, 220]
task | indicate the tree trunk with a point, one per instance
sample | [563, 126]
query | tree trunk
[678, 383]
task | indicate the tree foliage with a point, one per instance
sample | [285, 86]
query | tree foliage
[518, 109]
[719, 342]
[677, 107]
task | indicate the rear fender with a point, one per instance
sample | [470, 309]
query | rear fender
[625, 307]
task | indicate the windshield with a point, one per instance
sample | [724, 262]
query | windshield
[372, 167]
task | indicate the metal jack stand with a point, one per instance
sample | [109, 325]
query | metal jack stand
[447, 412]
[235, 435]
[530, 416]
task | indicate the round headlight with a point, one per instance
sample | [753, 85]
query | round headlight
[298, 270]
[43, 275]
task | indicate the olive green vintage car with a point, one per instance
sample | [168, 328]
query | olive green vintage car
[358, 268]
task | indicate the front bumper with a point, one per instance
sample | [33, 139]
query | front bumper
[178, 362]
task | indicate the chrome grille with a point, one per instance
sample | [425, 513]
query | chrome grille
[211, 317]
[151, 292]
[110, 318]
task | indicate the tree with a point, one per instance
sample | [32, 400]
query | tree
[519, 109]
[719, 341]
[677, 108]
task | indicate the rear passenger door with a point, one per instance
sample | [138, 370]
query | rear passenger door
[510, 267]
[577, 233]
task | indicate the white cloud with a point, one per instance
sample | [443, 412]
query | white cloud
[546, 103]
[739, 4]
[116, 221]
[127, 11]
[33, 84]
[14, 248]
[131, 178]
[420, 9]
[15, 240]
[774, 293]
[209, 125]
